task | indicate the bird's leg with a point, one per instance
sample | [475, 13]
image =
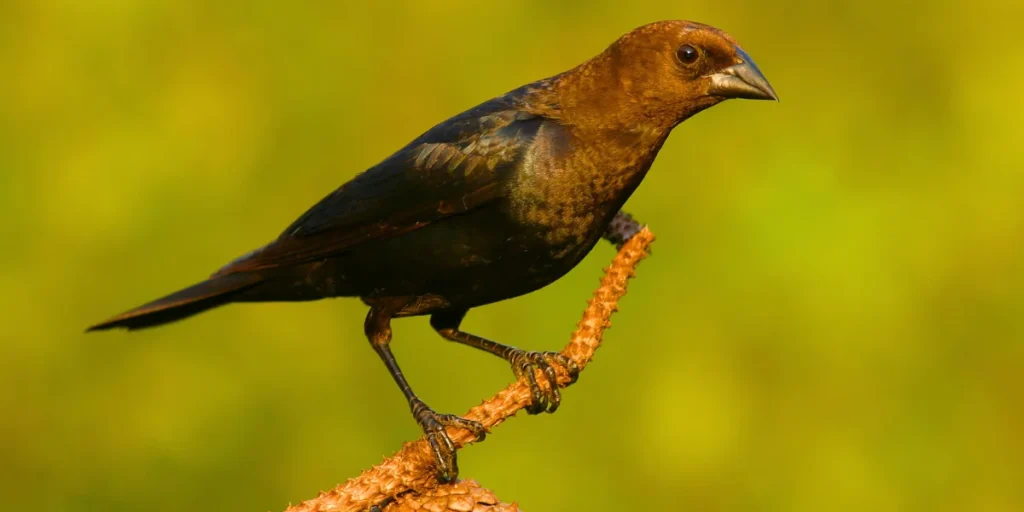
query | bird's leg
[523, 363]
[622, 227]
[378, 331]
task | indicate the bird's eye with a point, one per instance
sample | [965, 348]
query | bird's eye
[687, 54]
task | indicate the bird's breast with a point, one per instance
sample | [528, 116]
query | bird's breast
[571, 190]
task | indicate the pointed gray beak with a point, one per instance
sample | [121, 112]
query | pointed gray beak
[742, 80]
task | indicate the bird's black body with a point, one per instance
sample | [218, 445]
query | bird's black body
[460, 240]
[496, 202]
[485, 235]
[462, 216]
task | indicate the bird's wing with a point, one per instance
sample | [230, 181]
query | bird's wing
[455, 167]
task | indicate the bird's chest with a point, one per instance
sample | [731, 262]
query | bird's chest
[570, 198]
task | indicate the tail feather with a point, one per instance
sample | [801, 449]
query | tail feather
[193, 300]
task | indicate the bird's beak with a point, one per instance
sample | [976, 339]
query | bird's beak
[742, 80]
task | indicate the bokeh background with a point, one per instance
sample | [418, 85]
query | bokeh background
[833, 318]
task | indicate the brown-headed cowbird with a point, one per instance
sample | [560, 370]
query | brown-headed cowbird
[493, 203]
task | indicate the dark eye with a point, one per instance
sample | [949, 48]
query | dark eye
[687, 54]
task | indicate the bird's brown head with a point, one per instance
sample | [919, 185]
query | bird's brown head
[661, 74]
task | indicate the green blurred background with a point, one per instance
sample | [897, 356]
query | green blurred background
[833, 318]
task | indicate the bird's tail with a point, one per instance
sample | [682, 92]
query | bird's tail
[193, 300]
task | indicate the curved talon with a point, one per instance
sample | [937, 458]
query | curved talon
[444, 455]
[538, 401]
[525, 363]
[571, 367]
[441, 444]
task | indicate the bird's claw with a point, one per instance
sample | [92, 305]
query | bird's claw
[434, 425]
[525, 363]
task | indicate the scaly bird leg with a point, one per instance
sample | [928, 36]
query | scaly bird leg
[622, 227]
[523, 363]
[378, 331]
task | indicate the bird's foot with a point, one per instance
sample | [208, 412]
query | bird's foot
[524, 364]
[434, 425]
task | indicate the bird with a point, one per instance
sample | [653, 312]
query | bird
[493, 203]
